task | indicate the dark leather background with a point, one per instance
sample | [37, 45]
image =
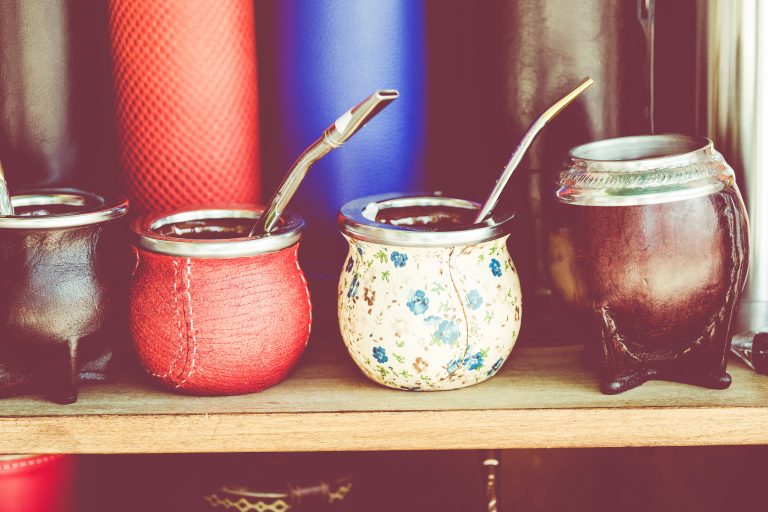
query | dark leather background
[56, 124]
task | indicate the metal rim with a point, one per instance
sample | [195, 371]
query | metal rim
[144, 229]
[641, 152]
[643, 170]
[96, 209]
[356, 221]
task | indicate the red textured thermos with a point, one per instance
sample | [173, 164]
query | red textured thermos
[37, 483]
[214, 311]
[186, 99]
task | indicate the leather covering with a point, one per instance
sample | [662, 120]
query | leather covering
[219, 326]
[61, 307]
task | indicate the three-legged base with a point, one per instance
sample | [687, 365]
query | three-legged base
[614, 386]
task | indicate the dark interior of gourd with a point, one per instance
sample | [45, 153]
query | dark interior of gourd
[207, 229]
[426, 216]
[48, 210]
[58, 204]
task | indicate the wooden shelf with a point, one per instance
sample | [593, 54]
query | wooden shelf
[543, 397]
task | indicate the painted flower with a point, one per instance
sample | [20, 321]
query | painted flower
[447, 332]
[369, 296]
[474, 299]
[475, 361]
[359, 250]
[350, 264]
[495, 267]
[420, 365]
[353, 286]
[495, 366]
[418, 302]
[380, 354]
[399, 259]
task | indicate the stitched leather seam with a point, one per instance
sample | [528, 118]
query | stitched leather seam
[27, 463]
[191, 326]
[177, 312]
[306, 290]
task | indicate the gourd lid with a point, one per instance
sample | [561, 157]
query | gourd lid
[645, 169]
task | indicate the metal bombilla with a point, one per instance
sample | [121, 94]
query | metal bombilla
[525, 143]
[6, 207]
[333, 137]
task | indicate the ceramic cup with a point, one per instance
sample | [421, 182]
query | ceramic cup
[213, 311]
[427, 300]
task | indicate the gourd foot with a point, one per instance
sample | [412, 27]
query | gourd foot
[63, 377]
[616, 385]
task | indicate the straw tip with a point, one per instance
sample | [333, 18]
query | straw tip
[387, 94]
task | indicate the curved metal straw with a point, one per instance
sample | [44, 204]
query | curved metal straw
[525, 143]
[333, 136]
[6, 208]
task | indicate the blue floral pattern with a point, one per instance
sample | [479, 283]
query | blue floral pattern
[429, 318]
[380, 354]
[399, 259]
[472, 361]
[495, 267]
[447, 332]
[418, 302]
[475, 361]
[495, 367]
[474, 299]
[353, 287]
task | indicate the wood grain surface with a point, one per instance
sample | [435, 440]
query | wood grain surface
[543, 397]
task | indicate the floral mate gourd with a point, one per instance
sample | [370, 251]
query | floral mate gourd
[427, 299]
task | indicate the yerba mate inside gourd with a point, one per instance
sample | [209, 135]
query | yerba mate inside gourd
[47, 205]
[424, 216]
[207, 229]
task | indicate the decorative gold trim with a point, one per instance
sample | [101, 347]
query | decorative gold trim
[243, 505]
[340, 494]
[275, 503]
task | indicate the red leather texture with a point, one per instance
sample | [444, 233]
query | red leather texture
[38, 483]
[219, 326]
[187, 101]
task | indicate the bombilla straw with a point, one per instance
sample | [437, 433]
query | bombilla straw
[6, 208]
[525, 143]
[333, 137]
